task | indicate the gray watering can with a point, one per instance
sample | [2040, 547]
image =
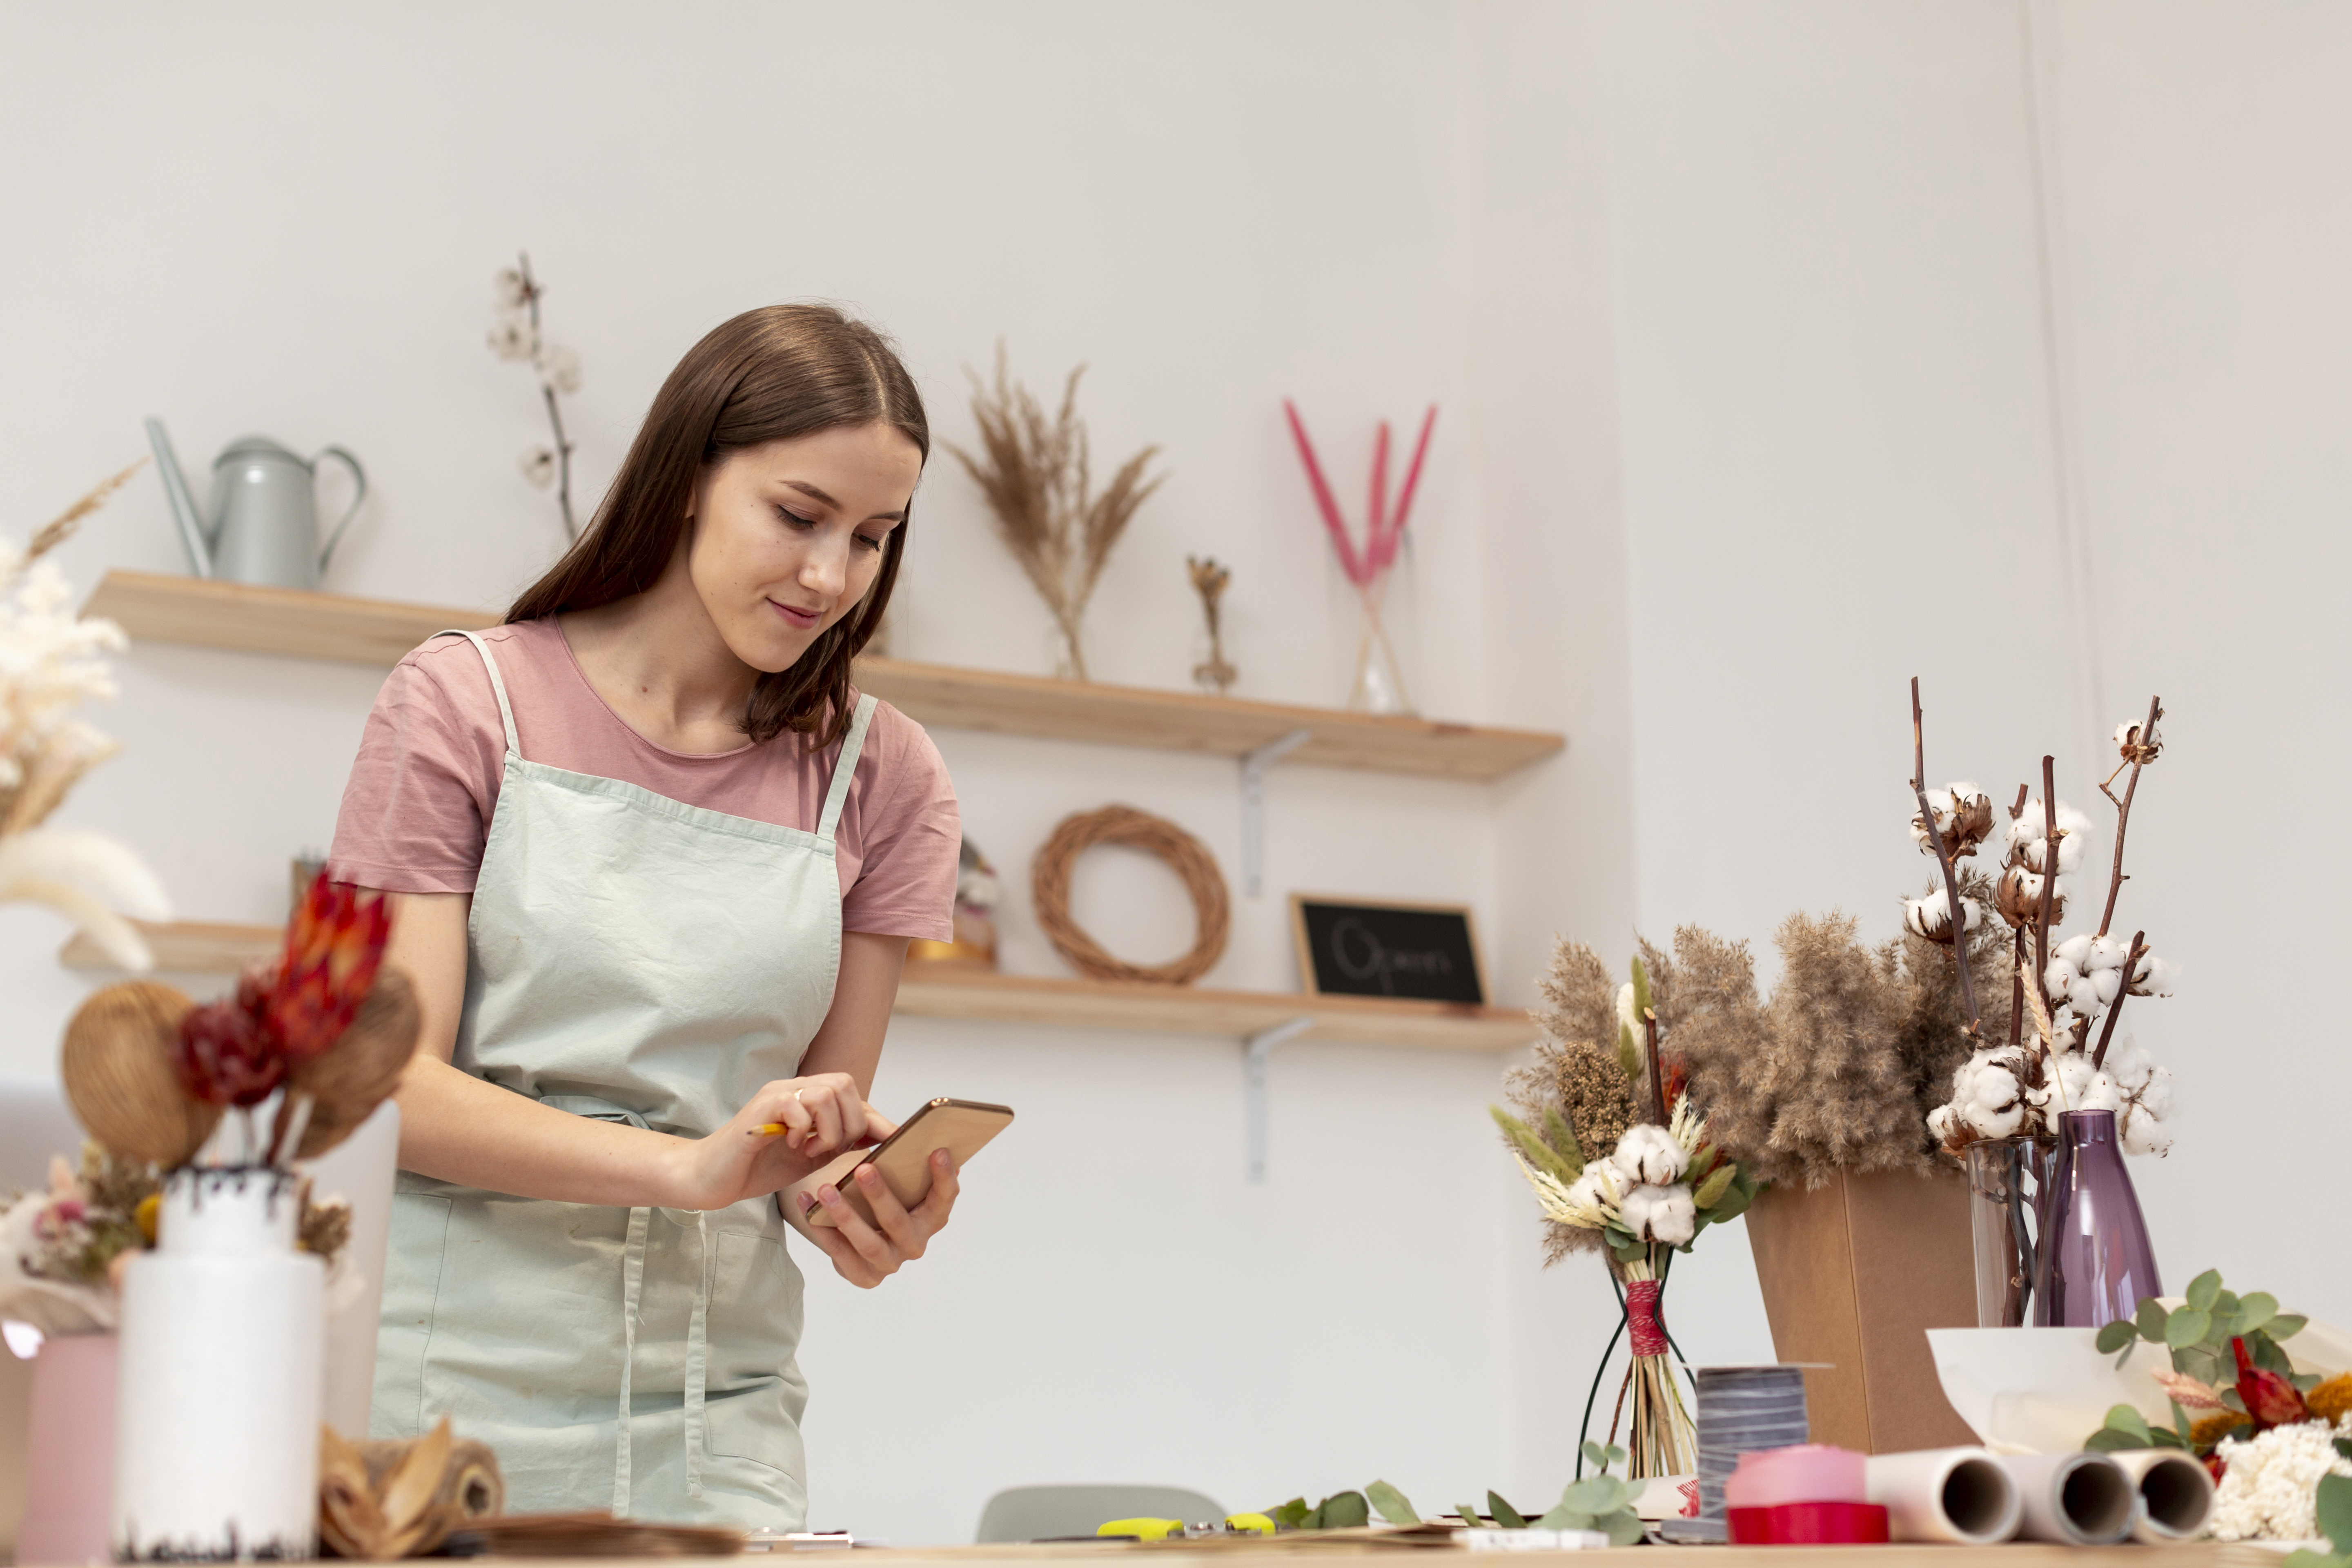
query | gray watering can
[265, 515]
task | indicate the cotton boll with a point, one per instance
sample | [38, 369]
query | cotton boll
[2128, 1064]
[1985, 1093]
[2083, 996]
[2154, 1094]
[1665, 1213]
[1942, 1123]
[2099, 1092]
[1597, 1189]
[2075, 951]
[1931, 916]
[2058, 980]
[2106, 952]
[2153, 978]
[2104, 984]
[1649, 1154]
[2145, 1134]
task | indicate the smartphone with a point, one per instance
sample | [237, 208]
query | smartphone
[962, 1127]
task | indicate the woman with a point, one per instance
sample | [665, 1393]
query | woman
[656, 866]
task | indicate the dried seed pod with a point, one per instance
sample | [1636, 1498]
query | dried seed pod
[388, 1499]
[360, 1070]
[121, 1078]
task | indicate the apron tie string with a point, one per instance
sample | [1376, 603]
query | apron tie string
[632, 1288]
[697, 1357]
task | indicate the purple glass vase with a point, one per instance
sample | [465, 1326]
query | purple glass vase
[2094, 1264]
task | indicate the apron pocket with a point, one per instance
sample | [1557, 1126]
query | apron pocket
[755, 1393]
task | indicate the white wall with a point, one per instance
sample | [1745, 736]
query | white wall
[272, 217]
[1765, 386]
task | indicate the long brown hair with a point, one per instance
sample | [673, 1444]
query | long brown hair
[768, 375]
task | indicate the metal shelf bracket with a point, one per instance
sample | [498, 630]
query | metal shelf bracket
[1255, 767]
[1255, 1050]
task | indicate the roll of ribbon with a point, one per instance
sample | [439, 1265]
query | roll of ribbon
[1959, 1496]
[2078, 1500]
[2176, 1495]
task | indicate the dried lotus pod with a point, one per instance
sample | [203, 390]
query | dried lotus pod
[120, 1077]
[386, 1500]
[348, 1080]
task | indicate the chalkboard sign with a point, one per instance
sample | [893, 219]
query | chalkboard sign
[1358, 949]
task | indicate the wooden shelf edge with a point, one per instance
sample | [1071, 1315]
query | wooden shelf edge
[941, 991]
[163, 608]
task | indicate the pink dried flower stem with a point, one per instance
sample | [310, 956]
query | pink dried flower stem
[1357, 569]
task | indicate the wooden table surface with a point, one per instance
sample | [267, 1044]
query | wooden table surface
[1289, 1549]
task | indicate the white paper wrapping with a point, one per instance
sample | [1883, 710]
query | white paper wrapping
[2076, 1500]
[1960, 1496]
[2043, 1391]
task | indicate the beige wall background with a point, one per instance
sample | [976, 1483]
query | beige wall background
[1784, 352]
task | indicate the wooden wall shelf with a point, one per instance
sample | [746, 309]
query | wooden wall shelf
[942, 992]
[167, 608]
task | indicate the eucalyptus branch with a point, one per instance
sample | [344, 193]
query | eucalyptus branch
[2116, 1010]
[1943, 860]
[2116, 879]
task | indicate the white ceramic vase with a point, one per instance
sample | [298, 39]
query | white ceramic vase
[217, 1389]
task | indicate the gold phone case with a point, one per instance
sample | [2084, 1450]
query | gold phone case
[962, 1127]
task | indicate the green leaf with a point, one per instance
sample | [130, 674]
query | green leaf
[1628, 1053]
[1311, 1520]
[2108, 1440]
[2198, 1363]
[2343, 1447]
[2187, 1327]
[1703, 1163]
[2150, 1320]
[1292, 1513]
[2256, 1311]
[1562, 1137]
[1563, 1517]
[2125, 1419]
[1596, 1455]
[2182, 1426]
[1734, 1203]
[1616, 1455]
[1624, 1528]
[1393, 1503]
[1534, 1150]
[1347, 1510]
[2205, 1290]
[1710, 1192]
[1597, 1495]
[2304, 1382]
[1504, 1514]
[2224, 1307]
[2285, 1326]
[1470, 1515]
[2264, 1352]
[2115, 1335]
[1641, 989]
[2333, 1503]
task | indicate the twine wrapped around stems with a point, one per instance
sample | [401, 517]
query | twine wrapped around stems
[1185, 855]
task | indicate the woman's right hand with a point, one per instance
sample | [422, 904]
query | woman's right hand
[821, 1115]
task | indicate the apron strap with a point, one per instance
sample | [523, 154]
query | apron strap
[852, 744]
[505, 710]
[697, 1360]
[633, 1289]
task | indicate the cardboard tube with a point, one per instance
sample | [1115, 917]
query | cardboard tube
[2077, 1499]
[2176, 1495]
[1959, 1496]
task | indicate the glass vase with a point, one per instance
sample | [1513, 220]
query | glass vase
[2006, 1178]
[1379, 685]
[2094, 1263]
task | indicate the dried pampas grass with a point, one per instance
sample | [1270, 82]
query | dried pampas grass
[1835, 1072]
[1034, 472]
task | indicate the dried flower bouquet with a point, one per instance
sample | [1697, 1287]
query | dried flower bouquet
[1663, 1181]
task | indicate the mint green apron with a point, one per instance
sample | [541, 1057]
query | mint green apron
[638, 959]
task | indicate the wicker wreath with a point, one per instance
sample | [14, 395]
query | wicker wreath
[1185, 855]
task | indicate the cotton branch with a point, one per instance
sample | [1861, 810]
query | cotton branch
[2131, 966]
[531, 293]
[2123, 811]
[1943, 860]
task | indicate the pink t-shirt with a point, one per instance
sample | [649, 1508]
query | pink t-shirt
[417, 809]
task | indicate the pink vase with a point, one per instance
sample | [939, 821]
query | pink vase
[69, 1468]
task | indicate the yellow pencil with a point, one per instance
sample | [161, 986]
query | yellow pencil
[768, 1129]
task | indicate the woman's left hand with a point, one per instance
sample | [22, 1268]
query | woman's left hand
[866, 1255]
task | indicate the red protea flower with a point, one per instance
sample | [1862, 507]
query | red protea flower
[2269, 1398]
[227, 1054]
[334, 944]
